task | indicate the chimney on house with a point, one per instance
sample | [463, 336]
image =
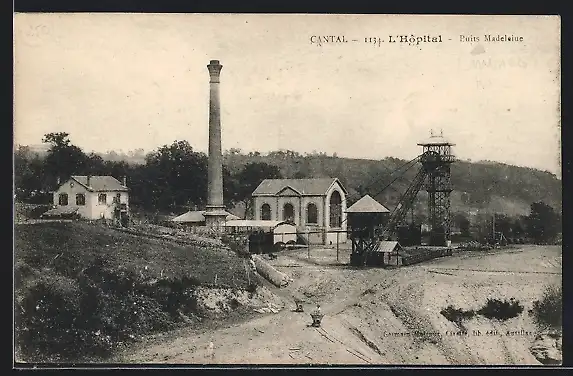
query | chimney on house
[124, 180]
[58, 181]
[215, 213]
[88, 182]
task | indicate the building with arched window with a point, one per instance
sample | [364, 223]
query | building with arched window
[316, 206]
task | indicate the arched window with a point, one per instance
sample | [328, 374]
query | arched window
[266, 212]
[80, 199]
[335, 209]
[311, 214]
[63, 199]
[288, 212]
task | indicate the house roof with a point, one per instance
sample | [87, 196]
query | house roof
[367, 205]
[305, 187]
[198, 216]
[100, 183]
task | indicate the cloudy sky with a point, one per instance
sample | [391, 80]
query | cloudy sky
[127, 81]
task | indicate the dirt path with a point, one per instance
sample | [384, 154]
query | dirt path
[370, 314]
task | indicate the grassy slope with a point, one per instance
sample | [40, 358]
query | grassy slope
[67, 248]
[82, 289]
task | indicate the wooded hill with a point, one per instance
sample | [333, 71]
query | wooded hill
[173, 178]
[488, 186]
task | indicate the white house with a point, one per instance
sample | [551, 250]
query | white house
[316, 206]
[92, 197]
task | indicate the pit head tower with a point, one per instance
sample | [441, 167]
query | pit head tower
[436, 160]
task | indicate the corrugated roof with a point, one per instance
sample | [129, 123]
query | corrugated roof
[306, 187]
[100, 183]
[387, 246]
[367, 205]
[198, 216]
[254, 223]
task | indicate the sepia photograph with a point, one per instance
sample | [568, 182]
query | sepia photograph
[287, 189]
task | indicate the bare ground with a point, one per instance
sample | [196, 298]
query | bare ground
[377, 316]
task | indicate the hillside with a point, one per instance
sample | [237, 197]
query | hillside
[483, 185]
[82, 289]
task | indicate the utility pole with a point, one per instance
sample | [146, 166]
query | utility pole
[493, 226]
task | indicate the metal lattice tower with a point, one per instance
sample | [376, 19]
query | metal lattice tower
[436, 160]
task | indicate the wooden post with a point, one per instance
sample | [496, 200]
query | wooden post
[337, 233]
[247, 271]
[308, 243]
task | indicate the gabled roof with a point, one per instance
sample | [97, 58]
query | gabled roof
[100, 183]
[288, 188]
[198, 216]
[387, 246]
[367, 205]
[306, 187]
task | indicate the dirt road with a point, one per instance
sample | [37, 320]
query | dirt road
[379, 316]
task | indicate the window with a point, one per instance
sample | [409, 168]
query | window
[80, 199]
[312, 214]
[335, 209]
[288, 212]
[266, 212]
[117, 198]
[63, 199]
[102, 198]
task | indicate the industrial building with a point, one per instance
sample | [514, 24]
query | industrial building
[317, 207]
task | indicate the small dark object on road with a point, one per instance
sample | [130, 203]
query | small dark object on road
[316, 316]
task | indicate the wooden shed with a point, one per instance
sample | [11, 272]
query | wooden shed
[264, 234]
[393, 254]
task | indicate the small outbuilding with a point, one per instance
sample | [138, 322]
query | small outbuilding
[194, 218]
[392, 252]
[366, 218]
[264, 235]
[367, 212]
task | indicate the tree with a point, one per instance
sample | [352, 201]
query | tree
[503, 224]
[28, 173]
[63, 159]
[250, 177]
[174, 176]
[518, 226]
[230, 187]
[543, 223]
[463, 223]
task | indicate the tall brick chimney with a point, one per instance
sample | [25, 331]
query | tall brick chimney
[215, 214]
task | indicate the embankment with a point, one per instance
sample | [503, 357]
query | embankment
[82, 289]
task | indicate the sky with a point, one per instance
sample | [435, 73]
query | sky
[128, 81]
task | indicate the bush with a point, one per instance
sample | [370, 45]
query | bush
[83, 289]
[457, 315]
[548, 311]
[64, 319]
[501, 310]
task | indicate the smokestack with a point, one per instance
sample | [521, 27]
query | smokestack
[88, 182]
[215, 214]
